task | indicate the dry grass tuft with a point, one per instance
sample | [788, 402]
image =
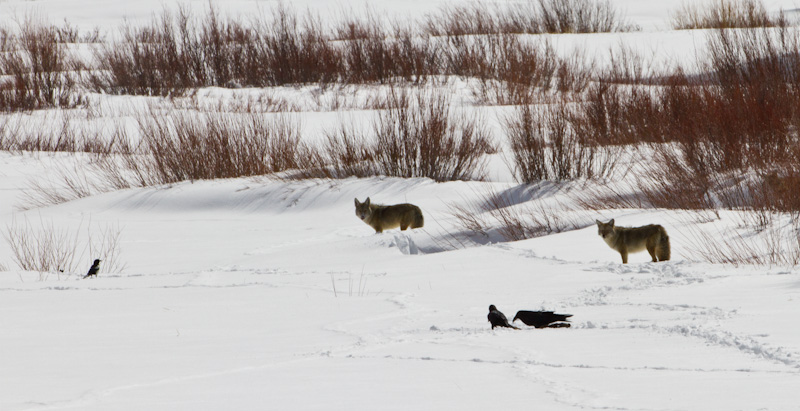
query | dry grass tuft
[725, 14]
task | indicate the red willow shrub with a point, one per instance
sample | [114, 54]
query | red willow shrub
[546, 145]
[177, 52]
[415, 136]
[531, 17]
[38, 69]
[725, 14]
[718, 135]
[186, 146]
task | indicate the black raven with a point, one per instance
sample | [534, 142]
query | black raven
[498, 319]
[543, 319]
[93, 269]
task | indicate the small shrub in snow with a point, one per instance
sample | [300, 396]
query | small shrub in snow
[545, 146]
[52, 250]
[415, 136]
[423, 137]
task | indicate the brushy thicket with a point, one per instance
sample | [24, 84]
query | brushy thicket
[178, 52]
[34, 70]
[511, 69]
[187, 146]
[727, 138]
[63, 131]
[548, 144]
[417, 135]
[532, 17]
[739, 118]
[724, 14]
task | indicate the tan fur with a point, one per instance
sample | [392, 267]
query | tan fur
[385, 217]
[624, 240]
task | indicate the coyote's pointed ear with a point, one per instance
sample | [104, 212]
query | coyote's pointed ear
[366, 201]
[611, 223]
[598, 222]
[357, 203]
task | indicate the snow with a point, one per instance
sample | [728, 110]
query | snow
[244, 294]
[257, 293]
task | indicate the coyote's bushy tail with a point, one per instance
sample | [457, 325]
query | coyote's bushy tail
[664, 252]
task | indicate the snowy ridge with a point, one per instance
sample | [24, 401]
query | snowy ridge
[346, 303]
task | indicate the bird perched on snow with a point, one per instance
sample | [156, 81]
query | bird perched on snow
[93, 270]
[543, 319]
[498, 319]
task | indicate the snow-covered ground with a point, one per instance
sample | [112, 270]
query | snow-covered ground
[260, 294]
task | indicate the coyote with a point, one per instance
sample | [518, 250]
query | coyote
[624, 240]
[383, 217]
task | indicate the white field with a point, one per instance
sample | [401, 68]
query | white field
[257, 294]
